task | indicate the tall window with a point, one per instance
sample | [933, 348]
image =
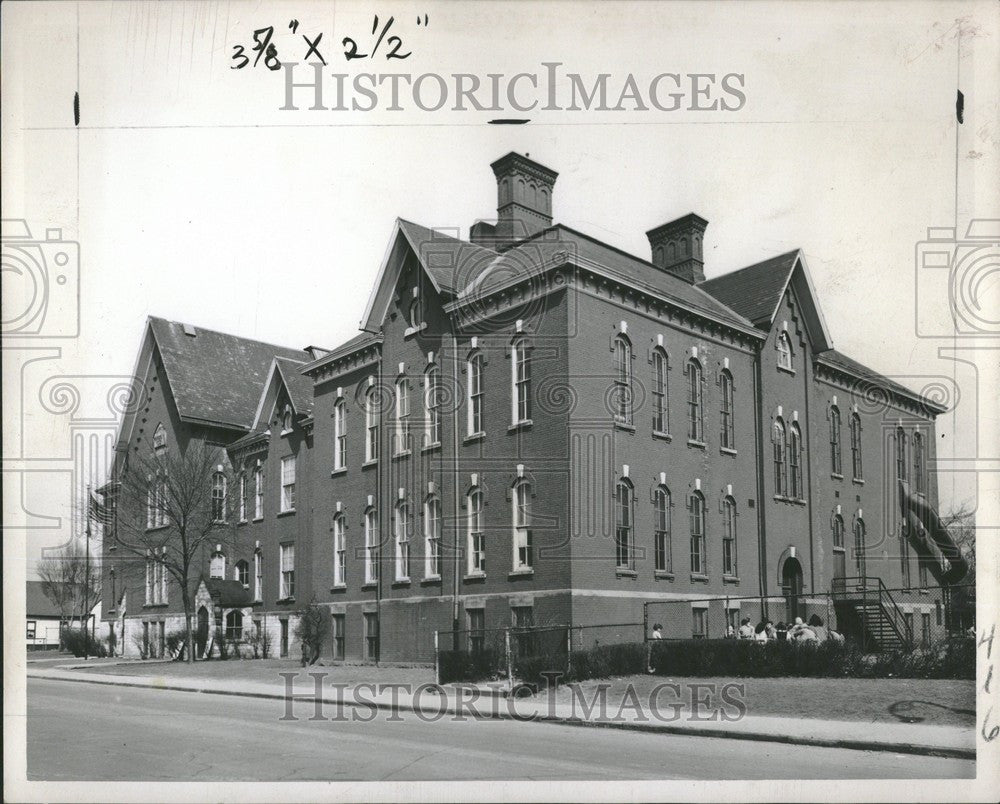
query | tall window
[371, 546]
[475, 393]
[243, 497]
[785, 354]
[432, 537]
[287, 571]
[859, 546]
[856, 466]
[521, 517]
[835, 462]
[218, 497]
[340, 434]
[900, 454]
[697, 504]
[401, 532]
[432, 402]
[339, 550]
[402, 415]
[729, 566]
[839, 552]
[156, 502]
[727, 436]
[242, 573]
[662, 552]
[258, 576]
[371, 425]
[780, 466]
[661, 417]
[696, 413]
[623, 380]
[474, 527]
[477, 630]
[286, 420]
[624, 526]
[521, 378]
[234, 624]
[288, 483]
[795, 462]
[838, 532]
[919, 467]
[339, 633]
[258, 492]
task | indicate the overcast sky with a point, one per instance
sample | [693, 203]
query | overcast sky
[194, 197]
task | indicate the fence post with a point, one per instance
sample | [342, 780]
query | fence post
[569, 648]
[437, 660]
[510, 664]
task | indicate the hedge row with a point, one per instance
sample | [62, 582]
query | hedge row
[76, 639]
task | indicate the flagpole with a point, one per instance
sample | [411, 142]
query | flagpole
[86, 580]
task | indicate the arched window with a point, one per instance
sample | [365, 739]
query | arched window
[729, 566]
[835, 463]
[286, 419]
[900, 454]
[371, 424]
[243, 496]
[475, 393]
[401, 532]
[662, 548]
[623, 380]
[521, 517]
[159, 438]
[785, 355]
[258, 492]
[696, 413]
[371, 545]
[241, 572]
[780, 466]
[432, 403]
[413, 313]
[795, 463]
[856, 466]
[919, 468]
[839, 552]
[402, 416]
[234, 624]
[340, 434]
[727, 435]
[838, 532]
[521, 382]
[475, 535]
[218, 497]
[697, 510]
[432, 537]
[661, 416]
[339, 550]
[859, 546]
[258, 575]
[624, 526]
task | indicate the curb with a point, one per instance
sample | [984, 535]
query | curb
[818, 742]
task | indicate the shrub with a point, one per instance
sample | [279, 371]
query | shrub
[77, 640]
[311, 631]
[176, 643]
[220, 643]
[463, 665]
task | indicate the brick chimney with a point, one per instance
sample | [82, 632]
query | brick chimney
[678, 248]
[524, 198]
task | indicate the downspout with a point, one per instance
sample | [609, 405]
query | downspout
[808, 440]
[758, 402]
[380, 476]
[456, 528]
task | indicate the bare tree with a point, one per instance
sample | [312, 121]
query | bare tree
[71, 582]
[173, 507]
[961, 524]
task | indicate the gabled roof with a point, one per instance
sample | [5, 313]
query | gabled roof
[287, 374]
[228, 593]
[756, 291]
[348, 347]
[215, 377]
[37, 603]
[841, 361]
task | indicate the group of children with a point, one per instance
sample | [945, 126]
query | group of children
[799, 631]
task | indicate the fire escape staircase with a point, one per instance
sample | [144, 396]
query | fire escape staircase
[880, 622]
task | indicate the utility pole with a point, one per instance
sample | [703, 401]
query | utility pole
[86, 583]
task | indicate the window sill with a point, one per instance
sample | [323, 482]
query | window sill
[369, 585]
[858, 481]
[789, 500]
[369, 464]
[727, 451]
[409, 332]
[836, 476]
[338, 588]
[628, 428]
[663, 575]
[523, 572]
[431, 580]
[924, 591]
[691, 442]
[283, 600]
[733, 579]
[258, 519]
[400, 582]
[155, 605]
[662, 435]
[341, 471]
[285, 433]
[621, 572]
[403, 453]
[238, 524]
[474, 437]
[474, 576]
[281, 514]
[431, 447]
[697, 577]
[787, 370]
[525, 424]
[151, 528]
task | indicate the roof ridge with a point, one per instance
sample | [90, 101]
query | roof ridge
[225, 334]
[730, 274]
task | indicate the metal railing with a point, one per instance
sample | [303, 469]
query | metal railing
[871, 593]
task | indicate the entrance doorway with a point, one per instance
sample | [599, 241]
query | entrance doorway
[791, 588]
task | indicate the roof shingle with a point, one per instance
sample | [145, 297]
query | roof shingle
[754, 291]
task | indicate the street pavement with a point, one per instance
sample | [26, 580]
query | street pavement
[93, 732]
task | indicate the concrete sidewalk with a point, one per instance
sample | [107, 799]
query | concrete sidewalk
[433, 703]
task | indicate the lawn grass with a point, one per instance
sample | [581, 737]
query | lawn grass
[928, 701]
